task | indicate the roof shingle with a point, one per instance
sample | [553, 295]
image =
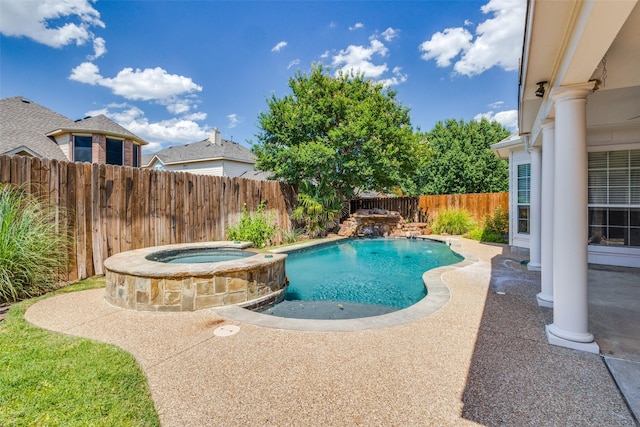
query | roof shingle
[24, 124]
[202, 151]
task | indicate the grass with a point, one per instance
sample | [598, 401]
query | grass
[489, 236]
[50, 379]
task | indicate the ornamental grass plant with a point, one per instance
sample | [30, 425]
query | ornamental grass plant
[453, 221]
[33, 247]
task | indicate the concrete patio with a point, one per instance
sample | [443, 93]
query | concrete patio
[482, 359]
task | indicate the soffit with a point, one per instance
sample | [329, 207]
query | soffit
[565, 44]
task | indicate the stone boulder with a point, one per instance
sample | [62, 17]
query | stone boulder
[381, 223]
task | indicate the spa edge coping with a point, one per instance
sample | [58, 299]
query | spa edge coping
[135, 263]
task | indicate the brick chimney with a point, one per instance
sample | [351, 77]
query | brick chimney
[215, 136]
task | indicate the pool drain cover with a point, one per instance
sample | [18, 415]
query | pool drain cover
[226, 330]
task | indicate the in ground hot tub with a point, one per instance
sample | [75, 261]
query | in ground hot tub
[193, 276]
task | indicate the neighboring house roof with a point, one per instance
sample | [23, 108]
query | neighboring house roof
[23, 127]
[201, 151]
[258, 175]
[28, 127]
[98, 124]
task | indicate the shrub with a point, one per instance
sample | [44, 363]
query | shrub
[453, 221]
[33, 251]
[498, 222]
[258, 227]
[495, 230]
[319, 212]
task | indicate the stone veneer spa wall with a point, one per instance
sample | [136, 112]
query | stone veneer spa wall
[135, 282]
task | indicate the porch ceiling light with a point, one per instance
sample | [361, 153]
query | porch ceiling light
[540, 91]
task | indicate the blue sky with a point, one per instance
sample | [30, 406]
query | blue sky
[170, 71]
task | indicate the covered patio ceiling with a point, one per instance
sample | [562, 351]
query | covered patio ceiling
[565, 43]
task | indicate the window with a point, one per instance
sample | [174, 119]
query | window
[614, 198]
[82, 151]
[114, 152]
[136, 150]
[524, 194]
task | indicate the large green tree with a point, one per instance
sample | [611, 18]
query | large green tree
[338, 134]
[461, 159]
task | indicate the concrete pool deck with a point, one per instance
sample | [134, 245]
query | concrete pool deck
[481, 359]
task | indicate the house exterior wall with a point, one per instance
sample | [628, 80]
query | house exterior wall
[64, 142]
[128, 152]
[231, 168]
[99, 149]
[228, 168]
[597, 141]
[214, 168]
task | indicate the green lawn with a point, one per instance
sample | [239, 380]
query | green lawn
[50, 379]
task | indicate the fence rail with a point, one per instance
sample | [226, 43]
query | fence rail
[425, 208]
[113, 208]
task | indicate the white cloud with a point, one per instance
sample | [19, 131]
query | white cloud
[151, 147]
[358, 59]
[35, 20]
[332, 24]
[496, 104]
[356, 26]
[142, 85]
[325, 54]
[177, 130]
[508, 119]
[446, 45]
[390, 34]
[498, 41]
[397, 78]
[178, 106]
[279, 46]
[87, 72]
[468, 23]
[99, 48]
[234, 121]
[293, 63]
[196, 117]
[160, 134]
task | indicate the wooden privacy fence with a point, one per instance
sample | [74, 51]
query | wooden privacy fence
[479, 205]
[112, 209]
[425, 208]
[407, 206]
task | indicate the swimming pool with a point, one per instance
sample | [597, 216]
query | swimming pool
[359, 278]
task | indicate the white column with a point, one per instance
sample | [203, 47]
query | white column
[545, 297]
[534, 209]
[570, 322]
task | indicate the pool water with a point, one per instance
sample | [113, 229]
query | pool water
[359, 278]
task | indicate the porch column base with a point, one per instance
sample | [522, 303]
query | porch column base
[534, 266]
[590, 347]
[545, 300]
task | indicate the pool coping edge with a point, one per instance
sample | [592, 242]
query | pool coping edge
[438, 294]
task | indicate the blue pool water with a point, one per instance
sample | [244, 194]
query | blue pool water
[359, 278]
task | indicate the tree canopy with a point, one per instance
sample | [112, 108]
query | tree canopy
[462, 161]
[337, 134]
